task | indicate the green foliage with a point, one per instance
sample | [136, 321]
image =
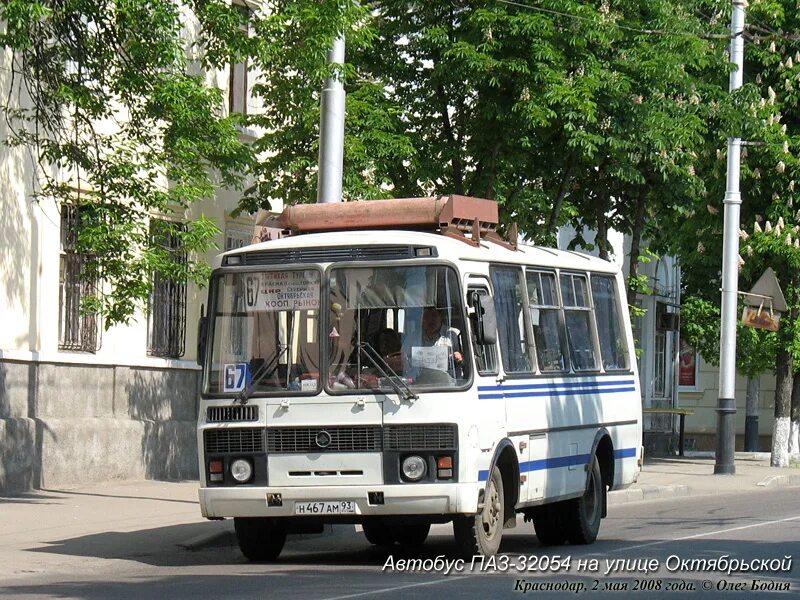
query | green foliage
[756, 349]
[122, 127]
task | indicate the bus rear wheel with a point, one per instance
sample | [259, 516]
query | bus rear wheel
[549, 526]
[582, 515]
[482, 533]
[260, 539]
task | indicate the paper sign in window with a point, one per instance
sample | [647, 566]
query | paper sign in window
[430, 357]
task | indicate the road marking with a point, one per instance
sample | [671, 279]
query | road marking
[399, 587]
[700, 535]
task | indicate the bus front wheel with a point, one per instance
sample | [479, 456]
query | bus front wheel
[378, 533]
[582, 515]
[260, 539]
[482, 533]
[413, 534]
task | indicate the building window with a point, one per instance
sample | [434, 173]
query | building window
[76, 329]
[237, 238]
[237, 79]
[660, 365]
[166, 319]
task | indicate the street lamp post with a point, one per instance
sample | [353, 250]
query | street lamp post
[331, 135]
[726, 405]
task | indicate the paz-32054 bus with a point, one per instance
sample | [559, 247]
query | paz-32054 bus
[397, 364]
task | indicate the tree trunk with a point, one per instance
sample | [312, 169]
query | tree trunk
[794, 432]
[601, 236]
[636, 241]
[783, 402]
[751, 414]
[558, 202]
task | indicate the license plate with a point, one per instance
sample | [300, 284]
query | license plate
[341, 507]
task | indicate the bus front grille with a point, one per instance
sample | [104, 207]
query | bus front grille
[227, 414]
[365, 438]
[229, 441]
[420, 437]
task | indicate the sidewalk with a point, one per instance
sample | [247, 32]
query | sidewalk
[58, 529]
[694, 476]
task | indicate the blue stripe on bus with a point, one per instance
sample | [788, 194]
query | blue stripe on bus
[564, 384]
[553, 390]
[625, 453]
[561, 461]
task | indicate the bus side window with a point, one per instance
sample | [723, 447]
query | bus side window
[548, 328]
[515, 347]
[578, 318]
[485, 354]
[613, 348]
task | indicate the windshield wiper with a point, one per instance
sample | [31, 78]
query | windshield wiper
[264, 371]
[399, 386]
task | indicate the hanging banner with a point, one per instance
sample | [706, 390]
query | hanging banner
[687, 373]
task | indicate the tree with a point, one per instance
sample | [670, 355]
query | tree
[103, 91]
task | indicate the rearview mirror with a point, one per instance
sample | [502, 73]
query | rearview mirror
[488, 320]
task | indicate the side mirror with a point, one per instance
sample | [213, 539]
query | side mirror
[485, 321]
[488, 319]
[202, 331]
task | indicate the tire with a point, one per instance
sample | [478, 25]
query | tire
[549, 525]
[482, 533]
[260, 539]
[411, 535]
[378, 533]
[582, 515]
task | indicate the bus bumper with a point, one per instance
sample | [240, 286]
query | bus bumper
[422, 499]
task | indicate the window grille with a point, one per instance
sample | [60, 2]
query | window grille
[166, 319]
[76, 330]
[237, 238]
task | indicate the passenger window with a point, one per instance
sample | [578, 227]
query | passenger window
[613, 346]
[511, 327]
[485, 354]
[545, 316]
[577, 316]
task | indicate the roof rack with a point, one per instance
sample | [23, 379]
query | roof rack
[463, 218]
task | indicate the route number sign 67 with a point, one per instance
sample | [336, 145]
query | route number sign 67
[235, 376]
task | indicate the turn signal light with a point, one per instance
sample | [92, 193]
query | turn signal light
[444, 467]
[215, 466]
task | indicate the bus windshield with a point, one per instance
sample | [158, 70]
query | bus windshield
[393, 326]
[265, 331]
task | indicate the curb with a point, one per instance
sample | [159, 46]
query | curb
[655, 492]
[779, 481]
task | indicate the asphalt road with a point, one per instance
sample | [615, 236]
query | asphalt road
[634, 539]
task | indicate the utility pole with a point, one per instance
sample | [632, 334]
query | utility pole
[331, 130]
[726, 405]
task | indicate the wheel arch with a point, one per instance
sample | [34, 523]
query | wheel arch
[603, 449]
[505, 459]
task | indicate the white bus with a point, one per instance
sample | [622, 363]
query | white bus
[365, 370]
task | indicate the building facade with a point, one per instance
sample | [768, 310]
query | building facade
[80, 402]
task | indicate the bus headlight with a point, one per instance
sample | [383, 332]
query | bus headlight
[413, 468]
[241, 470]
